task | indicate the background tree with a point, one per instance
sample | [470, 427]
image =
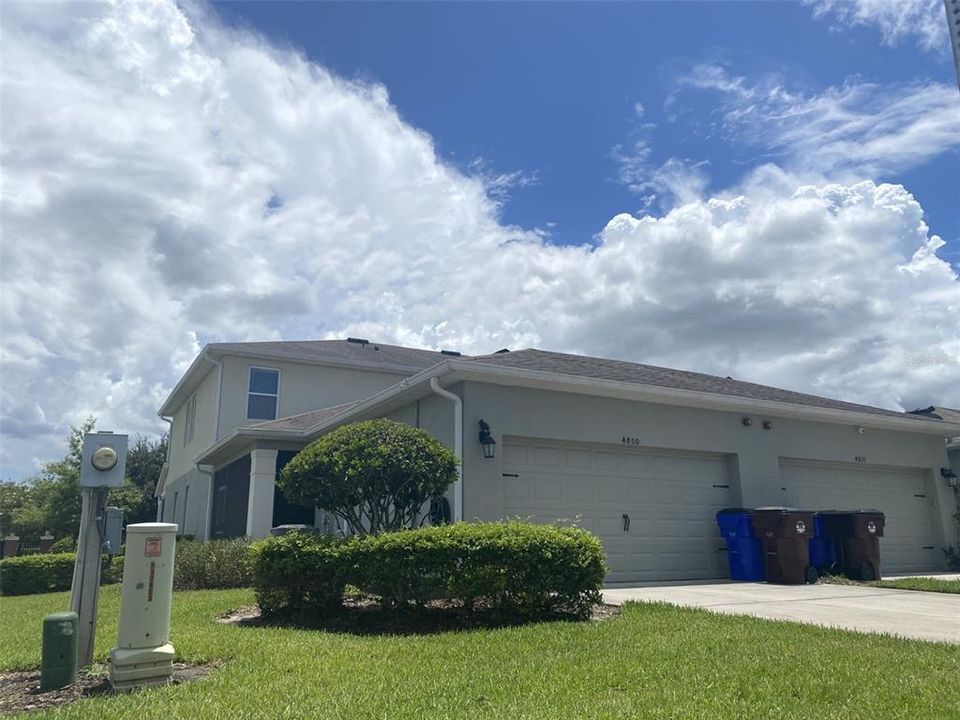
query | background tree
[145, 457]
[377, 475]
[57, 487]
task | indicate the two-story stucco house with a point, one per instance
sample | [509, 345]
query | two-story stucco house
[643, 456]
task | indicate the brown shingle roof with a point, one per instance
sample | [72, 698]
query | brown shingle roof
[619, 370]
[369, 353]
[303, 420]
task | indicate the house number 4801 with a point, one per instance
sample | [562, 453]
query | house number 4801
[860, 458]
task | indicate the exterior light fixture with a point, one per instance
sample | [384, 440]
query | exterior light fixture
[767, 425]
[860, 429]
[486, 440]
[747, 422]
[949, 475]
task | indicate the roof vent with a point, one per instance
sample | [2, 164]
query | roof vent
[450, 352]
[358, 341]
[500, 352]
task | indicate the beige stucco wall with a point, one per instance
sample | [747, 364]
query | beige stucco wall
[302, 388]
[193, 496]
[181, 456]
[577, 418]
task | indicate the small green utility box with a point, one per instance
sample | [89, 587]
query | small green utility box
[58, 664]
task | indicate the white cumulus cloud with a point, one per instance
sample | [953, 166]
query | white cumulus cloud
[897, 20]
[169, 182]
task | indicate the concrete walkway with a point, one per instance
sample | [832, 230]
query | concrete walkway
[907, 613]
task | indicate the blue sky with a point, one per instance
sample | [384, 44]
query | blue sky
[548, 89]
[760, 190]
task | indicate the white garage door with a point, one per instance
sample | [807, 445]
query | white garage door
[907, 544]
[654, 510]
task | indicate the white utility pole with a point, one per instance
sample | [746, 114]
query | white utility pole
[102, 467]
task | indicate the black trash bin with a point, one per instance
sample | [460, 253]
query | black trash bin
[856, 535]
[785, 534]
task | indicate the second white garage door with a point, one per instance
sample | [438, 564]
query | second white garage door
[908, 544]
[653, 510]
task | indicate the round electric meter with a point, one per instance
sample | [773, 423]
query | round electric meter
[104, 458]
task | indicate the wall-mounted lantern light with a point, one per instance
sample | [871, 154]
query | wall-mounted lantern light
[768, 425]
[949, 475]
[747, 422]
[486, 440]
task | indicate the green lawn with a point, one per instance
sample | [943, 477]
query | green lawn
[653, 661]
[919, 583]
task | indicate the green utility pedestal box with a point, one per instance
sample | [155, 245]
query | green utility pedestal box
[58, 664]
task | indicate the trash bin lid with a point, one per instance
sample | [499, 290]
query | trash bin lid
[871, 511]
[777, 508]
[735, 511]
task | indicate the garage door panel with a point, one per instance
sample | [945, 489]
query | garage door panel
[669, 498]
[908, 544]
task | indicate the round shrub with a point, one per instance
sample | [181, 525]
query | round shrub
[68, 543]
[377, 475]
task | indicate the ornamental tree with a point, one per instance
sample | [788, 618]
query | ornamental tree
[377, 475]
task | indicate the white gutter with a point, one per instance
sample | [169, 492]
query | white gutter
[457, 445]
[162, 479]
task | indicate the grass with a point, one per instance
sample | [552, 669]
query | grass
[907, 583]
[921, 583]
[653, 661]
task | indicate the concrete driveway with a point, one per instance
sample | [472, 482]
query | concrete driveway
[907, 613]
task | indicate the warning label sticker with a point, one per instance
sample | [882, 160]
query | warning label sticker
[153, 546]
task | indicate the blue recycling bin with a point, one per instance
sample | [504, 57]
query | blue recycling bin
[744, 550]
[823, 549]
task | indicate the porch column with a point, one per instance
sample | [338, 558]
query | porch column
[263, 472]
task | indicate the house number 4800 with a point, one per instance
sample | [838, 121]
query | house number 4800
[860, 458]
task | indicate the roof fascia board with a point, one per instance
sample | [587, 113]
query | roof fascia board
[172, 404]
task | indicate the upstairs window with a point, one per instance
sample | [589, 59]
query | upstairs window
[190, 425]
[264, 391]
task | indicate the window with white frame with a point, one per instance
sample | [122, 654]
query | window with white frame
[186, 504]
[190, 425]
[263, 394]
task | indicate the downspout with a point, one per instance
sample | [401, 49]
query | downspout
[166, 462]
[457, 445]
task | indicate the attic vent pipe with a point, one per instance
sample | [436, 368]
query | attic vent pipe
[358, 341]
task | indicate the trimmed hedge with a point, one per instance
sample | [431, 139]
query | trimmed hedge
[298, 570]
[512, 568]
[31, 574]
[212, 565]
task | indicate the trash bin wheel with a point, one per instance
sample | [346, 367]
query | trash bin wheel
[867, 573]
[811, 575]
